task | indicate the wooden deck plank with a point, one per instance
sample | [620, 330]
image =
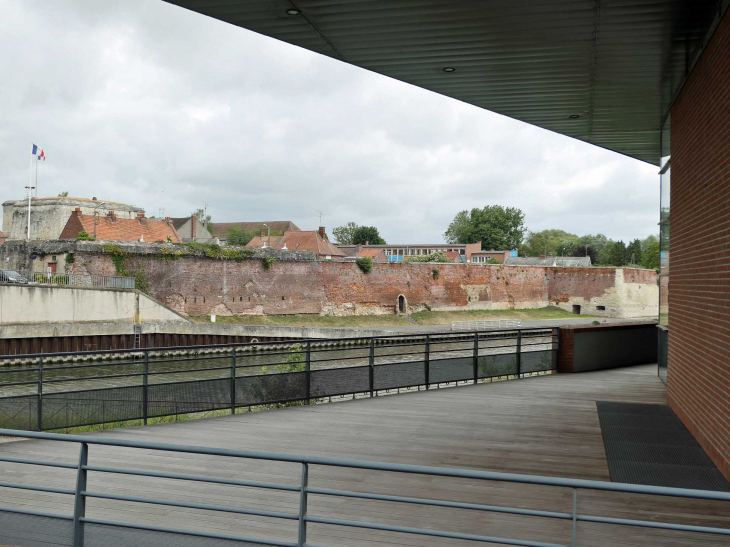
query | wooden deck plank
[543, 425]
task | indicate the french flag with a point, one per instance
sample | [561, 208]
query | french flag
[38, 152]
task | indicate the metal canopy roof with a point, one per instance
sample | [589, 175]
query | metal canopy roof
[614, 63]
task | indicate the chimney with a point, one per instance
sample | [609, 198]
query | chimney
[492, 249]
[168, 221]
[263, 232]
[542, 257]
[140, 215]
[367, 243]
[194, 229]
[111, 216]
[322, 233]
[77, 211]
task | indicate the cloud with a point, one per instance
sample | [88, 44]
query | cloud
[150, 104]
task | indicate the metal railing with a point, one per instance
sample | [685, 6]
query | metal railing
[82, 527]
[46, 392]
[79, 280]
[486, 325]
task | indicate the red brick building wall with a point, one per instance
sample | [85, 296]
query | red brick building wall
[699, 316]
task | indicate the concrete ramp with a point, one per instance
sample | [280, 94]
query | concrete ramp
[59, 304]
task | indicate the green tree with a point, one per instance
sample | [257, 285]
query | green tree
[650, 255]
[367, 234]
[633, 252]
[586, 250]
[495, 226]
[238, 236]
[63, 195]
[605, 255]
[345, 235]
[618, 254]
[597, 241]
[549, 241]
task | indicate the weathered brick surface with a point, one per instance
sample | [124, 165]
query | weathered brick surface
[699, 298]
[201, 286]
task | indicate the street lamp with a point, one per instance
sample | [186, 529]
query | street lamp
[95, 213]
[268, 237]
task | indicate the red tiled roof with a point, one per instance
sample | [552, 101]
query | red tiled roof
[454, 256]
[220, 229]
[2, 234]
[299, 241]
[119, 229]
[372, 253]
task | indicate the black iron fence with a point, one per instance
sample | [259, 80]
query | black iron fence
[61, 390]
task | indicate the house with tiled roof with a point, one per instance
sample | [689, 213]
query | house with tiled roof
[191, 229]
[278, 227]
[378, 255]
[314, 241]
[109, 227]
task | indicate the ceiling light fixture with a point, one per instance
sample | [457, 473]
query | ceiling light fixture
[574, 116]
[293, 11]
[449, 69]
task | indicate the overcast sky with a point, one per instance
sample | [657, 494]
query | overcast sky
[146, 103]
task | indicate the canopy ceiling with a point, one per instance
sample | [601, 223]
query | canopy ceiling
[602, 71]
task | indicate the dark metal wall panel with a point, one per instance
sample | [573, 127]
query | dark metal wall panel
[539, 61]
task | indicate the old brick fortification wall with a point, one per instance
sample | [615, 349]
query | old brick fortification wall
[699, 316]
[195, 284]
[203, 286]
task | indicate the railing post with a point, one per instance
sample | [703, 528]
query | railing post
[233, 380]
[80, 496]
[145, 378]
[519, 353]
[476, 357]
[302, 536]
[575, 515]
[426, 360]
[371, 366]
[308, 371]
[40, 393]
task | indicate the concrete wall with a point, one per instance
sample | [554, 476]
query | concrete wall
[43, 304]
[588, 348]
[698, 387]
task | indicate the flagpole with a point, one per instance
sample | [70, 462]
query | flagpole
[36, 176]
[30, 189]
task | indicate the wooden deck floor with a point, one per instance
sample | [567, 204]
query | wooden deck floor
[544, 425]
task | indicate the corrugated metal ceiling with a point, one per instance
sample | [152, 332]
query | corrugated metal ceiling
[613, 63]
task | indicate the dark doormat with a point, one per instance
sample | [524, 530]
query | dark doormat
[648, 444]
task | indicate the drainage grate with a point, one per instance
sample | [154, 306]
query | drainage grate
[648, 444]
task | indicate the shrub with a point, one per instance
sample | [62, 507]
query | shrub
[433, 257]
[365, 263]
[435, 273]
[84, 236]
[70, 258]
[268, 262]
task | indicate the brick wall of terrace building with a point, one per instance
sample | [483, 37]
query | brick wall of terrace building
[699, 316]
[202, 286]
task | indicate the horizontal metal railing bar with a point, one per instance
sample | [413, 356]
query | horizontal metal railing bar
[183, 358]
[33, 382]
[439, 503]
[654, 524]
[433, 533]
[194, 478]
[35, 513]
[6, 370]
[191, 505]
[181, 371]
[433, 336]
[93, 365]
[39, 462]
[48, 489]
[193, 533]
[378, 466]
[82, 378]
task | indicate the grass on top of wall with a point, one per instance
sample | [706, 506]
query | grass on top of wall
[374, 321]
